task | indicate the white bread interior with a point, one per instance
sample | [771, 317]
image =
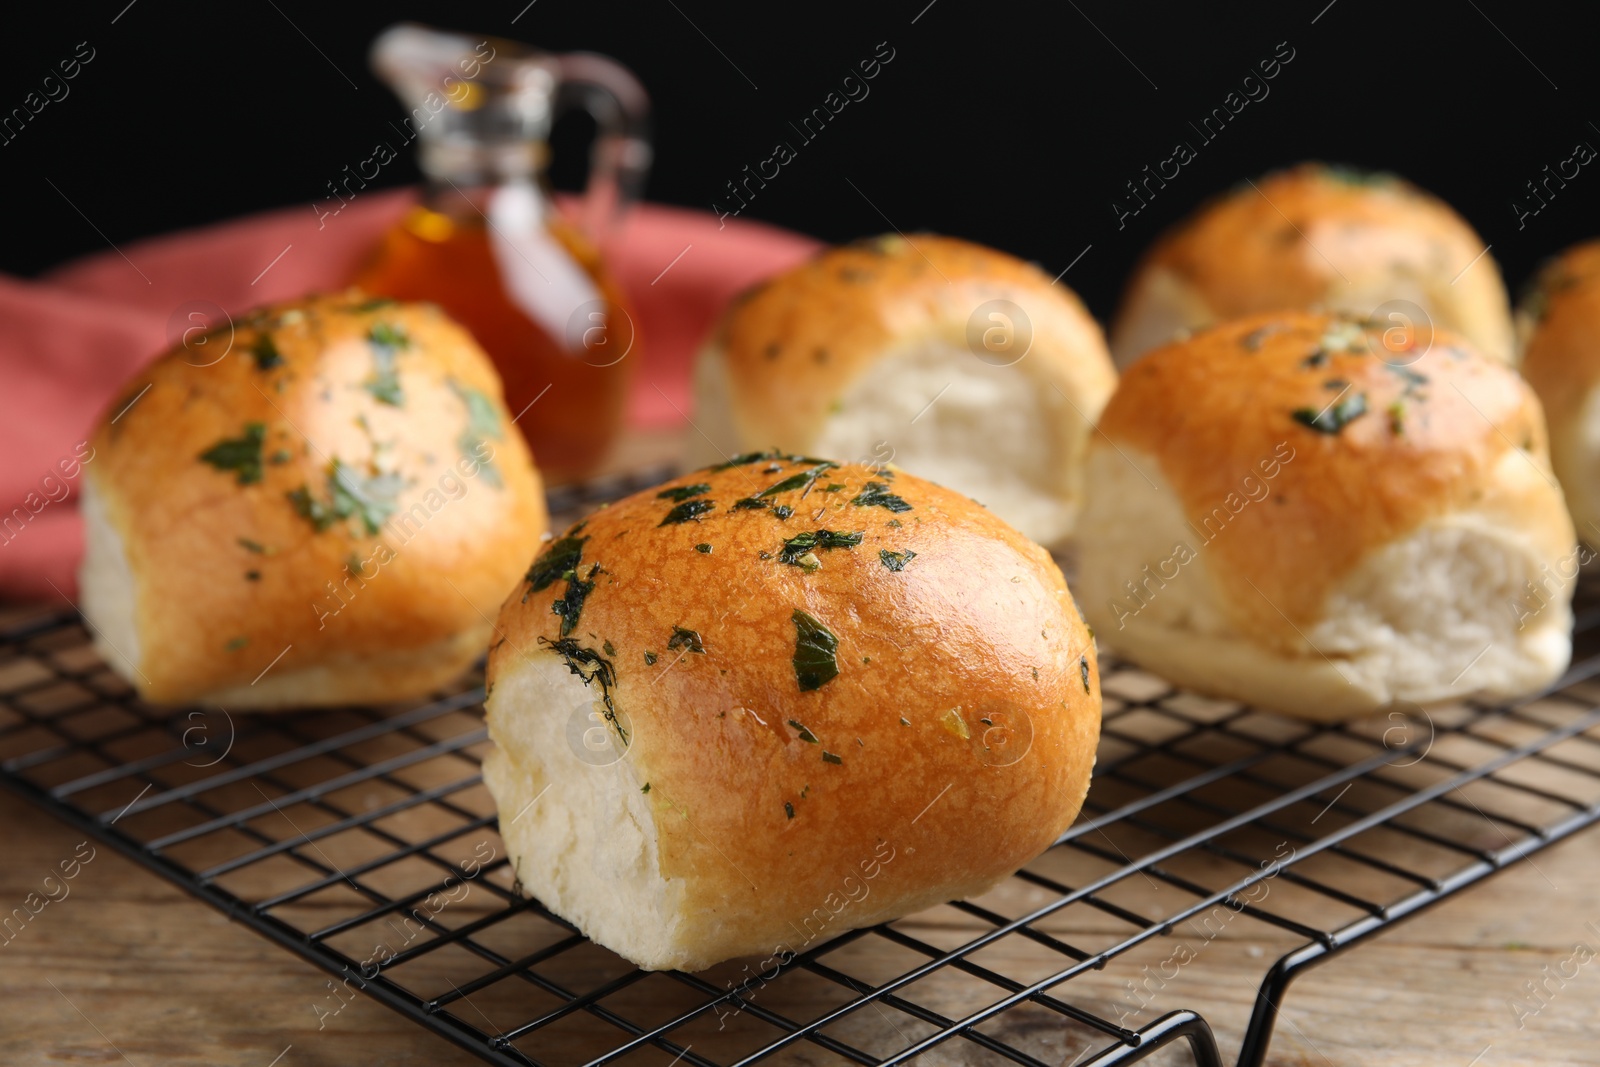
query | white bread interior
[715, 435]
[1429, 617]
[1161, 307]
[106, 589]
[996, 434]
[582, 835]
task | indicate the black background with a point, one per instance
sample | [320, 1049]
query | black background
[1016, 125]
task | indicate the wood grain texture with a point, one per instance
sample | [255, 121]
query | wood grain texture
[129, 969]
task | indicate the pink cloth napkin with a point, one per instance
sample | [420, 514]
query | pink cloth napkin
[69, 340]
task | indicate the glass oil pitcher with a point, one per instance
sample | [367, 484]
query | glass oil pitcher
[486, 243]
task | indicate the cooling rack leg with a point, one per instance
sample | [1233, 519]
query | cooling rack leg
[1264, 1019]
[1165, 1030]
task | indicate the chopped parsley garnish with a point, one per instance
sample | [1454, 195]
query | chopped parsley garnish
[386, 342]
[877, 495]
[896, 561]
[388, 335]
[281, 455]
[589, 665]
[252, 576]
[1397, 417]
[689, 509]
[689, 639]
[1334, 417]
[1083, 671]
[560, 558]
[804, 480]
[815, 649]
[1344, 336]
[1252, 340]
[242, 455]
[833, 487]
[746, 458]
[254, 546]
[374, 304]
[608, 648]
[704, 548]
[1345, 174]
[483, 422]
[750, 503]
[683, 492]
[371, 499]
[645, 788]
[266, 353]
[788, 809]
[1315, 359]
[743, 459]
[829, 757]
[236, 643]
[1410, 377]
[650, 659]
[800, 545]
[570, 605]
[804, 734]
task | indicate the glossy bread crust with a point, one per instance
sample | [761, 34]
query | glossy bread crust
[956, 736]
[1316, 236]
[214, 472]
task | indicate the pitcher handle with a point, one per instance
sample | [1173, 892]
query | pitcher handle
[620, 159]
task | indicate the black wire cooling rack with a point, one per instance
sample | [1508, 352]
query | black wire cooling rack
[363, 840]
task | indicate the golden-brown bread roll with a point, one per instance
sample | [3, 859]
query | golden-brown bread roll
[1285, 511]
[330, 513]
[1317, 237]
[845, 695]
[958, 363]
[1559, 320]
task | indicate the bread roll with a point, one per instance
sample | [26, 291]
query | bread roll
[956, 362]
[1286, 512]
[845, 695]
[1317, 237]
[1560, 320]
[329, 513]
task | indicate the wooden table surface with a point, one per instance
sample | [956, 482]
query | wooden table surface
[128, 969]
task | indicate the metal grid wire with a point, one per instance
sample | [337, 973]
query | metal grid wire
[363, 839]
